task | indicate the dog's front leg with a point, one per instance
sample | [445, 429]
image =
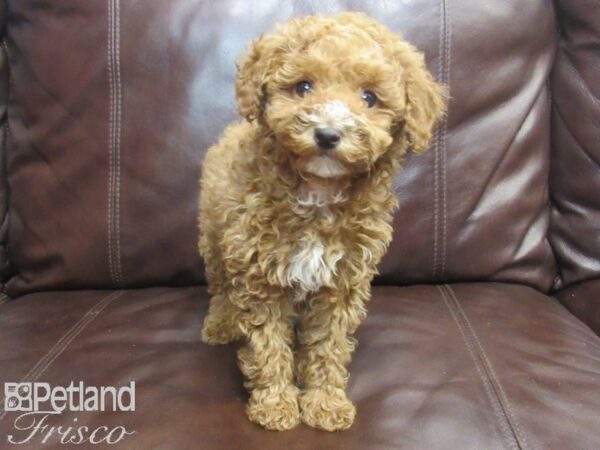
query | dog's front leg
[267, 361]
[326, 346]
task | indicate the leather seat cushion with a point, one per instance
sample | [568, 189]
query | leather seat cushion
[466, 366]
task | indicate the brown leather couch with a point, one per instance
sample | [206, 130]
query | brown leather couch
[482, 331]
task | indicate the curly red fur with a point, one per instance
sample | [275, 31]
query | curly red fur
[287, 230]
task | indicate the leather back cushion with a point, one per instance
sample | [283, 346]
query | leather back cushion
[4, 266]
[113, 103]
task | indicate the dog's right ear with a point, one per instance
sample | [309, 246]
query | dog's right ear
[253, 73]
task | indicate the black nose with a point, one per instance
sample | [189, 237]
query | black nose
[327, 138]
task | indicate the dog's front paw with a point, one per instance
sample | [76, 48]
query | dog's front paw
[274, 409]
[328, 409]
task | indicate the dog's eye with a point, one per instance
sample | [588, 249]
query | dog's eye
[370, 98]
[303, 87]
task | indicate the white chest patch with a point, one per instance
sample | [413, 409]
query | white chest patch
[310, 268]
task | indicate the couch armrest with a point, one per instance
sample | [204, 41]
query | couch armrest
[583, 300]
[575, 158]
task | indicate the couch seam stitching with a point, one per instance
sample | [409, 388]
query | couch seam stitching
[443, 148]
[118, 139]
[483, 376]
[6, 218]
[436, 145]
[114, 188]
[66, 339]
[502, 397]
[111, 126]
[440, 217]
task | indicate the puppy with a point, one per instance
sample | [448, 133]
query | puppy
[297, 203]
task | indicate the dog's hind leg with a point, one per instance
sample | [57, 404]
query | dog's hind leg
[220, 325]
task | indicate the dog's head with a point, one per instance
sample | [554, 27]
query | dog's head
[337, 93]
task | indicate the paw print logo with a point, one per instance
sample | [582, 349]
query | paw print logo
[12, 403]
[17, 396]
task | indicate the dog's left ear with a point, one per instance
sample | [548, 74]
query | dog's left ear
[425, 99]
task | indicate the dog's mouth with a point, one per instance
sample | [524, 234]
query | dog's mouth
[324, 166]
